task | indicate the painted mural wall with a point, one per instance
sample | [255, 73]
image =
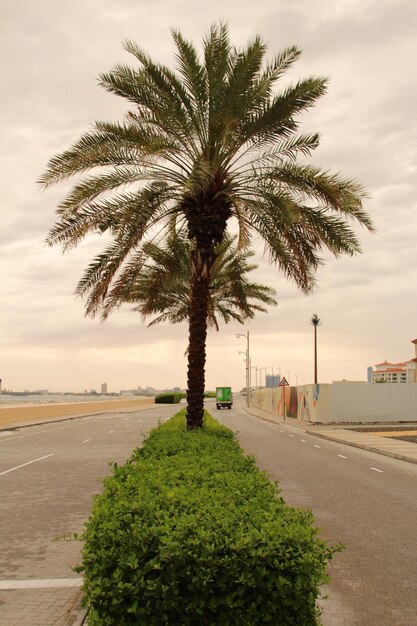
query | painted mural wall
[309, 403]
[341, 402]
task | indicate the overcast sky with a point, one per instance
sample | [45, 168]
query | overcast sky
[51, 54]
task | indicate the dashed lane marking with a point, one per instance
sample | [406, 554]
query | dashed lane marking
[111, 431]
[303, 440]
[12, 469]
[342, 456]
[316, 446]
[86, 440]
[377, 470]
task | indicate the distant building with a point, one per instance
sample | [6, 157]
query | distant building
[403, 372]
[104, 388]
[272, 381]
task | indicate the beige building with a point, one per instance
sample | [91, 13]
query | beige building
[403, 372]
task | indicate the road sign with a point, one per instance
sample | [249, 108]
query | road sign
[284, 382]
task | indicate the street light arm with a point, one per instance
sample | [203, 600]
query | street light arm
[247, 365]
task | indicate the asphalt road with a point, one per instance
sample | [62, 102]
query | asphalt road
[364, 500]
[49, 474]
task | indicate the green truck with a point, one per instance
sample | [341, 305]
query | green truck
[224, 397]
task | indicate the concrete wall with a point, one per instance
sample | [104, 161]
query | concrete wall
[341, 402]
[16, 415]
[355, 402]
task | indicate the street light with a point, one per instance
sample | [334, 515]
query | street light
[254, 367]
[260, 377]
[247, 366]
[289, 377]
[279, 374]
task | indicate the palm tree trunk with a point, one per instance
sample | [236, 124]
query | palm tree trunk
[315, 355]
[197, 350]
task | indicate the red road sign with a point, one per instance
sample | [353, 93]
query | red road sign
[284, 382]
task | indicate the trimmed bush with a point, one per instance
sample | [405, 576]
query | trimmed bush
[168, 398]
[189, 531]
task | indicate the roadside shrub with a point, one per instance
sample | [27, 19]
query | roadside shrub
[168, 398]
[190, 532]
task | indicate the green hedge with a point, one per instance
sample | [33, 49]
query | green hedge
[168, 398]
[189, 531]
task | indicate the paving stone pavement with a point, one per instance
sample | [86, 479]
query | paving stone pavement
[52, 606]
[41, 607]
[44, 501]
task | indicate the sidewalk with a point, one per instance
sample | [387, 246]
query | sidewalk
[344, 433]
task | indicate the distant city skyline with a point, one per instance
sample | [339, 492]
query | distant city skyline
[367, 303]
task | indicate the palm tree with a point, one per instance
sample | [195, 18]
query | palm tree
[211, 141]
[315, 321]
[162, 287]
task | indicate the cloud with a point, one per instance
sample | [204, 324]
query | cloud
[55, 50]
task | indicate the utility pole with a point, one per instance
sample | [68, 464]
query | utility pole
[246, 335]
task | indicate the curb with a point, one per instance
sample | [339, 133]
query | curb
[362, 446]
[80, 618]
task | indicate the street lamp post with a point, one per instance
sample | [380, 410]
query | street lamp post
[247, 366]
[279, 374]
[255, 367]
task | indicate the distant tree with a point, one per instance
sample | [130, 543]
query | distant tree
[161, 286]
[213, 141]
[315, 321]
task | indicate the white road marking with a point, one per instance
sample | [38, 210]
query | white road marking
[303, 440]
[34, 583]
[281, 431]
[85, 440]
[377, 470]
[291, 435]
[111, 431]
[316, 446]
[28, 463]
[342, 457]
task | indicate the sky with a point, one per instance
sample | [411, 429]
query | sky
[52, 52]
